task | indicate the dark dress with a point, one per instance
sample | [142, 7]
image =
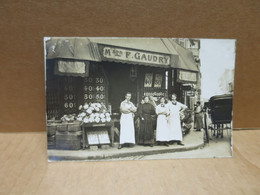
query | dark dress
[146, 131]
[198, 118]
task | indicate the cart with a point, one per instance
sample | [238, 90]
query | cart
[220, 112]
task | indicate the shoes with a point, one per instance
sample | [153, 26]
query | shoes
[131, 145]
[120, 146]
[166, 144]
[181, 144]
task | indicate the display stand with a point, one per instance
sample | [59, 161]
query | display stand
[87, 127]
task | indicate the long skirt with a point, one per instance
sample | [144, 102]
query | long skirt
[146, 133]
[127, 130]
[199, 121]
[162, 130]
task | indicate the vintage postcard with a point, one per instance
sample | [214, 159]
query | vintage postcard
[138, 98]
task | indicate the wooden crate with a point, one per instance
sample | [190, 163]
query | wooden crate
[62, 127]
[51, 129]
[68, 140]
[51, 142]
[74, 127]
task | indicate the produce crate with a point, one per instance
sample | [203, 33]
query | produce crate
[74, 127]
[51, 142]
[62, 127]
[68, 140]
[51, 129]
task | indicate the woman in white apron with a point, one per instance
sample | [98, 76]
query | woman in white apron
[127, 130]
[162, 130]
[174, 121]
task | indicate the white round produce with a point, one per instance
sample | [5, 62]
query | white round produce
[97, 120]
[85, 106]
[79, 118]
[86, 120]
[89, 111]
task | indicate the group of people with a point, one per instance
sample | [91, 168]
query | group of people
[168, 126]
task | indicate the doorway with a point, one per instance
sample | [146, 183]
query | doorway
[119, 83]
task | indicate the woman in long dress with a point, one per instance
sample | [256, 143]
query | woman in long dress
[174, 121]
[127, 130]
[198, 117]
[146, 133]
[162, 130]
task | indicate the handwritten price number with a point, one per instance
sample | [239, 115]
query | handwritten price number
[71, 105]
[90, 88]
[99, 80]
[66, 97]
[71, 97]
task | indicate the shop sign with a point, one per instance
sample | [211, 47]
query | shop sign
[67, 67]
[190, 93]
[155, 94]
[148, 80]
[158, 80]
[135, 56]
[187, 76]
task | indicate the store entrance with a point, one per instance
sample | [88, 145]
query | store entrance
[119, 83]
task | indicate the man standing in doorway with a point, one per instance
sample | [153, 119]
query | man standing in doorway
[127, 131]
[174, 121]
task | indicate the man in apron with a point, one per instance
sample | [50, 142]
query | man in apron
[127, 130]
[174, 121]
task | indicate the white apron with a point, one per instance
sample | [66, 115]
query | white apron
[127, 130]
[162, 130]
[174, 122]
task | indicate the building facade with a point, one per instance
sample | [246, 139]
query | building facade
[191, 91]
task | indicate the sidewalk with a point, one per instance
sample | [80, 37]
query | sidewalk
[193, 140]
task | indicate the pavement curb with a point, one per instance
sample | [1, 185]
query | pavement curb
[121, 155]
[84, 155]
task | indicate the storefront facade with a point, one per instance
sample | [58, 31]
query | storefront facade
[112, 68]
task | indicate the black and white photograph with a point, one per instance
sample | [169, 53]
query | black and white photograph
[110, 99]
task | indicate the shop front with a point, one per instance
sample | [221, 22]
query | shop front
[130, 70]
[86, 91]
[185, 75]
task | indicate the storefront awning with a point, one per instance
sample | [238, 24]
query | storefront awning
[186, 60]
[156, 52]
[141, 51]
[72, 48]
